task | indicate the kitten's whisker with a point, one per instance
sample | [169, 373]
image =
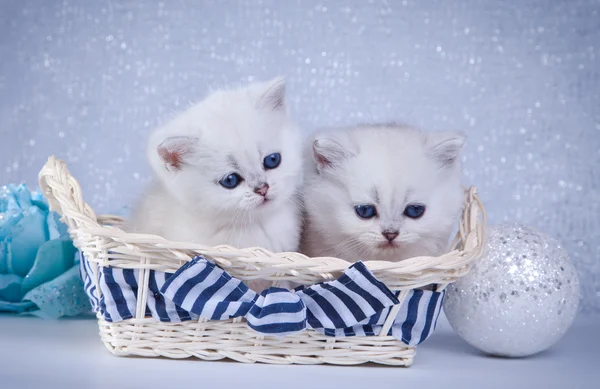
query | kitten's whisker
[349, 244]
[299, 204]
[337, 248]
[408, 237]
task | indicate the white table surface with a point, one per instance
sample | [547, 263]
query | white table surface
[69, 354]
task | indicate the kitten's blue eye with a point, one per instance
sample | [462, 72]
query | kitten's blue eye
[231, 181]
[271, 161]
[414, 211]
[365, 211]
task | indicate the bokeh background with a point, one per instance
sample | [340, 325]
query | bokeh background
[87, 81]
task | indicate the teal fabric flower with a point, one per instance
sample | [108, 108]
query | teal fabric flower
[38, 266]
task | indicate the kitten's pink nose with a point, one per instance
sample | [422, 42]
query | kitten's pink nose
[390, 235]
[262, 189]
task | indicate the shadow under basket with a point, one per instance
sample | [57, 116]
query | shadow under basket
[107, 247]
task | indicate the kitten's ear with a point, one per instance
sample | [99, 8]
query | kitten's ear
[273, 96]
[329, 153]
[176, 151]
[445, 147]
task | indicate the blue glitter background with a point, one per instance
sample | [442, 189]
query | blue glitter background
[87, 80]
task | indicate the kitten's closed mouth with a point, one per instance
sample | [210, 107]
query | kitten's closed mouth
[389, 246]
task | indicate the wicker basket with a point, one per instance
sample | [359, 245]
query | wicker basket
[105, 245]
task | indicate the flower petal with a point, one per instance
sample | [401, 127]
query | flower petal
[10, 288]
[56, 228]
[27, 236]
[53, 258]
[6, 197]
[63, 296]
[24, 306]
[4, 254]
[23, 196]
[38, 200]
[10, 212]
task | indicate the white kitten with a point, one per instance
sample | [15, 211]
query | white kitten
[229, 171]
[382, 193]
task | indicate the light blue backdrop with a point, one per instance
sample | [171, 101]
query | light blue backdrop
[87, 81]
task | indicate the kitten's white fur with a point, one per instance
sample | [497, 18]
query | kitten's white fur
[389, 166]
[231, 131]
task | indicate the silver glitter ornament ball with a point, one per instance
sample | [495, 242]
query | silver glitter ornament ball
[519, 299]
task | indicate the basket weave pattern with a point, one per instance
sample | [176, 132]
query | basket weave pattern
[104, 244]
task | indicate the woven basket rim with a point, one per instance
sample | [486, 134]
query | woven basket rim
[100, 238]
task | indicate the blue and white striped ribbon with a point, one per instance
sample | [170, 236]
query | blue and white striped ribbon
[356, 304]
[87, 275]
[204, 289]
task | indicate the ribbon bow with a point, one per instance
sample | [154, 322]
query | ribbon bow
[208, 291]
